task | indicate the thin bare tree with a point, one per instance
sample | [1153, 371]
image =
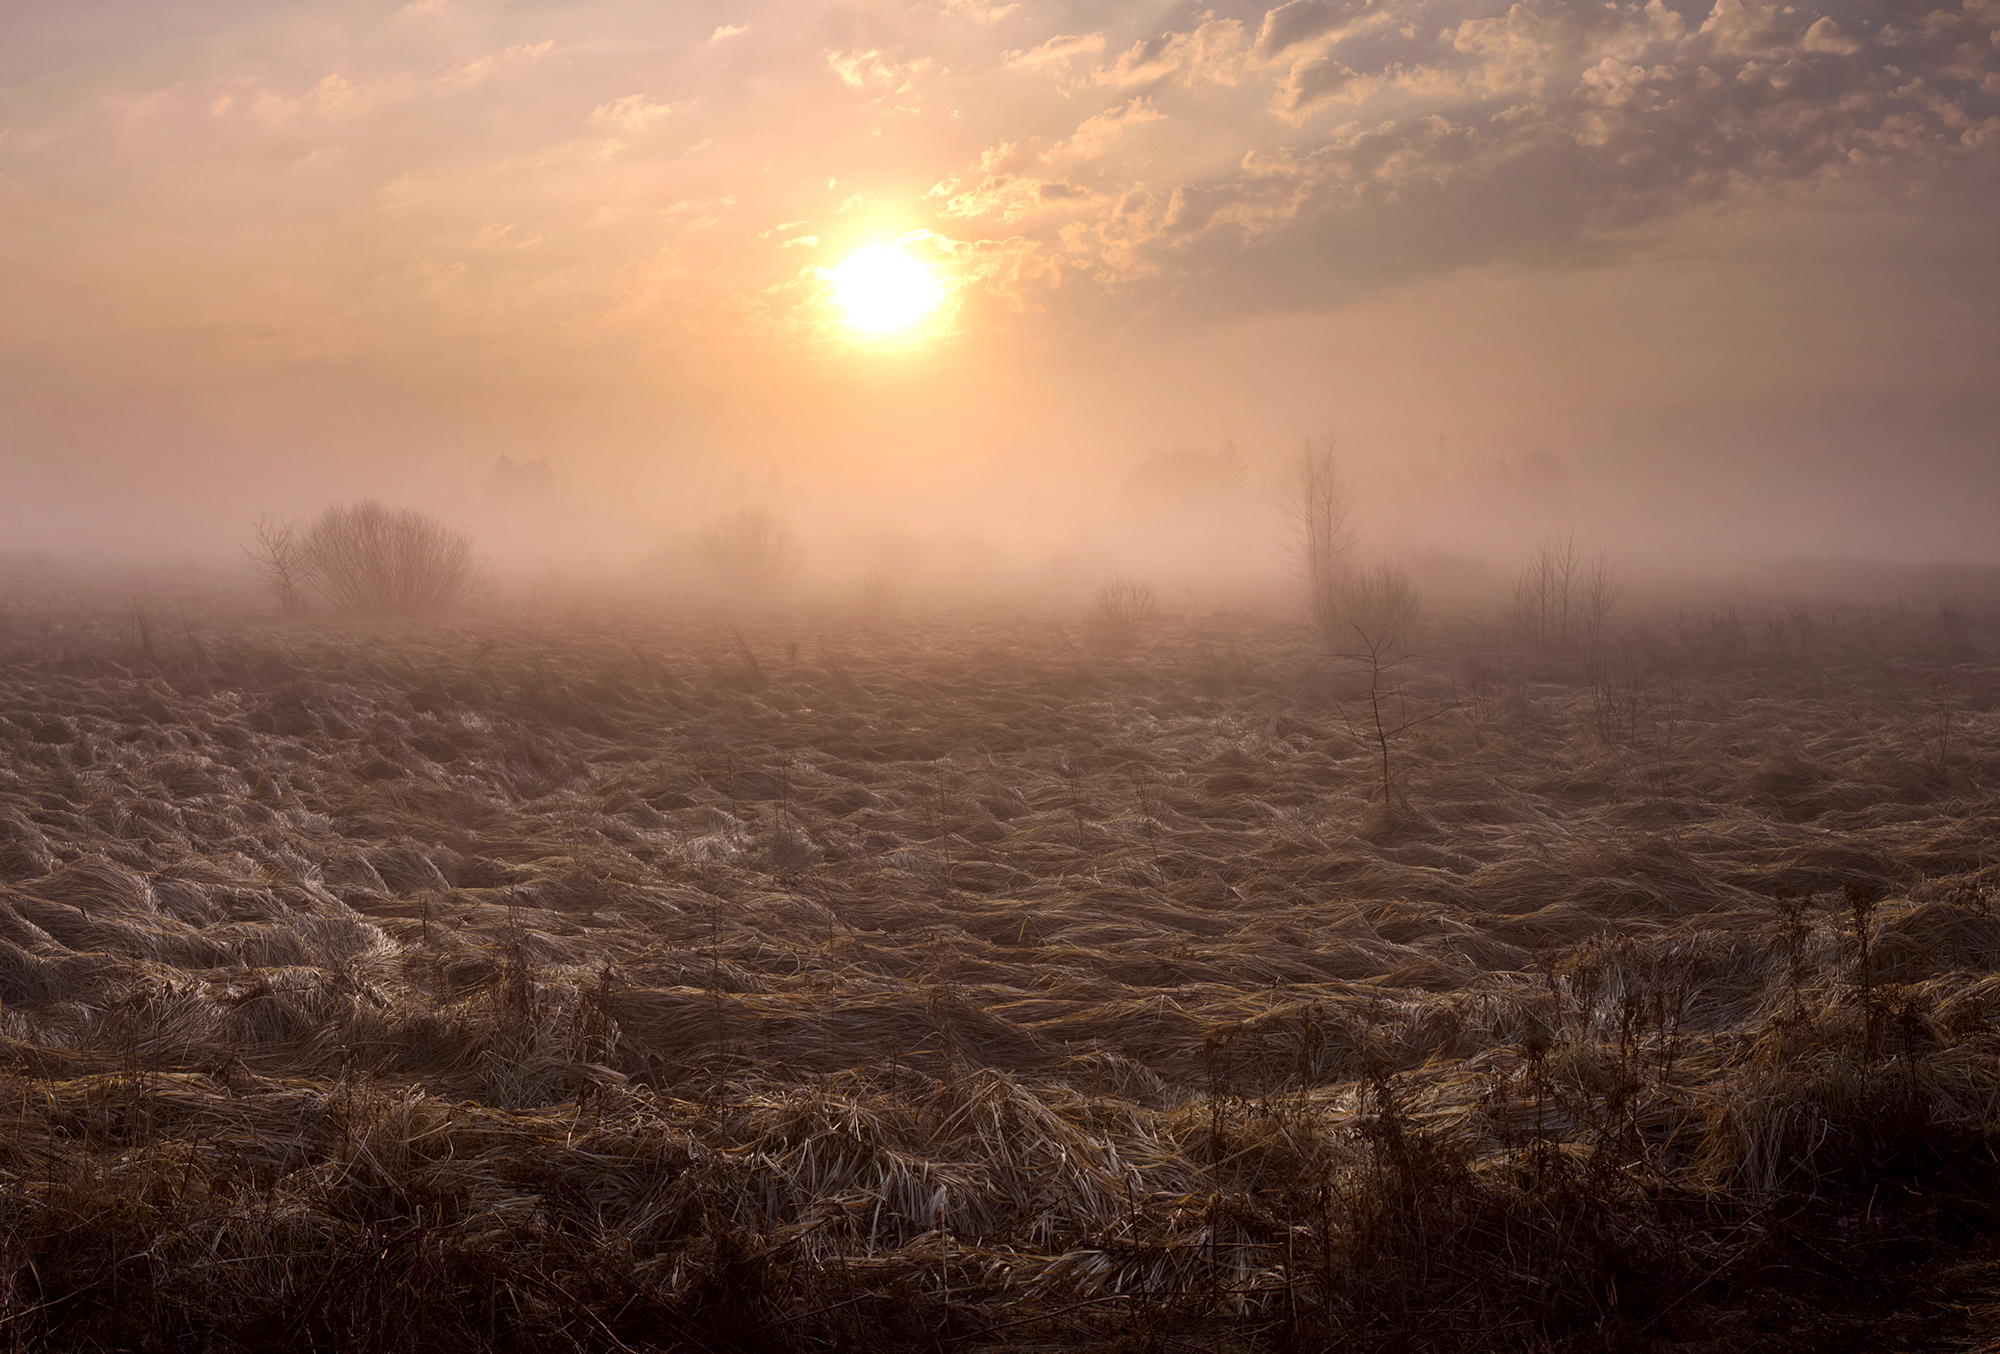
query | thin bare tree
[1380, 606]
[279, 556]
[1322, 509]
[1600, 592]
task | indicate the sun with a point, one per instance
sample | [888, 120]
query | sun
[883, 291]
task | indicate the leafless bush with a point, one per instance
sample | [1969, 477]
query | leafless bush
[881, 595]
[380, 561]
[1379, 606]
[1321, 507]
[279, 556]
[1119, 612]
[754, 551]
[1955, 628]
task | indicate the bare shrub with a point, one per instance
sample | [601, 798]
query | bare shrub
[881, 595]
[380, 561]
[1955, 629]
[753, 551]
[278, 554]
[1379, 606]
[1119, 612]
[1322, 509]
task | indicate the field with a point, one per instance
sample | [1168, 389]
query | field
[615, 978]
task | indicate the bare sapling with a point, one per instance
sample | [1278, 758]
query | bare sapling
[1600, 590]
[1322, 510]
[278, 553]
[1380, 608]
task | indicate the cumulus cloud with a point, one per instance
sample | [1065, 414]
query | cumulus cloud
[978, 11]
[1545, 130]
[1310, 86]
[873, 70]
[632, 114]
[1098, 133]
[1210, 54]
[1294, 156]
[1301, 21]
[484, 67]
[1009, 198]
[1058, 52]
[1826, 36]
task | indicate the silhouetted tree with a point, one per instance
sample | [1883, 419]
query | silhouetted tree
[1322, 508]
[279, 557]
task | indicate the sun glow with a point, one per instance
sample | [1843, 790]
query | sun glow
[882, 291]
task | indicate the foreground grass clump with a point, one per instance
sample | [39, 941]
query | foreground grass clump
[630, 984]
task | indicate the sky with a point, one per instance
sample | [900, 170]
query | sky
[1733, 265]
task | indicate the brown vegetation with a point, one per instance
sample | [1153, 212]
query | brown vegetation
[754, 551]
[627, 983]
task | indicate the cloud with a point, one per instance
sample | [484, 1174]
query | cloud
[977, 11]
[1097, 134]
[1300, 21]
[1305, 153]
[1547, 132]
[335, 97]
[632, 114]
[1826, 36]
[873, 70]
[1058, 51]
[1734, 28]
[1009, 198]
[1211, 54]
[1311, 86]
[482, 68]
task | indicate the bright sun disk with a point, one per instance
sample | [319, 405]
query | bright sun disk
[882, 291]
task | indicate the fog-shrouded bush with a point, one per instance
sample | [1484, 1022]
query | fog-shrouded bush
[1119, 612]
[1377, 608]
[754, 550]
[380, 561]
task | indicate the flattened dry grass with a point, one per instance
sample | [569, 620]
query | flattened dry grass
[630, 983]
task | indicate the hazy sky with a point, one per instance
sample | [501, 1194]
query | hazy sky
[1736, 264]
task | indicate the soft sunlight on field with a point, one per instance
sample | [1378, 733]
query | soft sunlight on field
[882, 291]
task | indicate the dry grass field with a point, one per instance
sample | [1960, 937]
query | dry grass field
[614, 980]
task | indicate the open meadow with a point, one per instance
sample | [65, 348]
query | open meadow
[616, 978]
